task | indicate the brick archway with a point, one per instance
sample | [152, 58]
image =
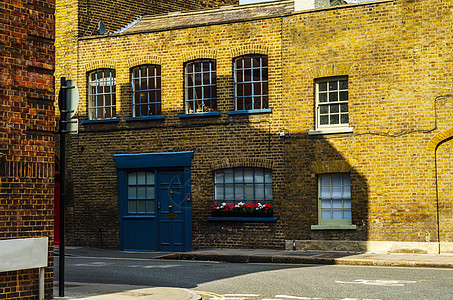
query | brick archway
[438, 138]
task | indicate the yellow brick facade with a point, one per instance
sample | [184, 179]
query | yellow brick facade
[397, 58]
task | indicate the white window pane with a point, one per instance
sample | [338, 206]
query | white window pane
[249, 192]
[337, 214]
[268, 191]
[347, 214]
[150, 178]
[336, 180]
[259, 191]
[325, 214]
[141, 206]
[141, 192]
[219, 192]
[268, 176]
[347, 203]
[228, 176]
[219, 178]
[132, 192]
[238, 175]
[248, 175]
[259, 175]
[150, 206]
[239, 191]
[346, 192]
[132, 178]
[336, 192]
[132, 208]
[337, 203]
[141, 177]
[150, 194]
[326, 203]
[229, 192]
[325, 180]
[325, 192]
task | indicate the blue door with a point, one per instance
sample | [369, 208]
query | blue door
[155, 208]
[172, 207]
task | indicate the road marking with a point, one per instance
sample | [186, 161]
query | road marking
[212, 296]
[241, 295]
[294, 297]
[379, 282]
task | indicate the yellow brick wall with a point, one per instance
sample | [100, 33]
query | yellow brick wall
[398, 62]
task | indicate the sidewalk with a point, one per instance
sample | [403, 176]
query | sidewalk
[318, 257]
[124, 292]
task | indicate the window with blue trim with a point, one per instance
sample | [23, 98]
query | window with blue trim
[141, 194]
[146, 91]
[249, 185]
[102, 94]
[251, 82]
[200, 86]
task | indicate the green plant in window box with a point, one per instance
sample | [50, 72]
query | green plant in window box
[242, 209]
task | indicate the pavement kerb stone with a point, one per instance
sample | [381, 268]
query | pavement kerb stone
[288, 259]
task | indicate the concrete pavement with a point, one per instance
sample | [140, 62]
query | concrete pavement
[124, 292]
[317, 257]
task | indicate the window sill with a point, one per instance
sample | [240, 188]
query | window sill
[98, 121]
[200, 115]
[331, 130]
[331, 227]
[243, 219]
[250, 112]
[147, 118]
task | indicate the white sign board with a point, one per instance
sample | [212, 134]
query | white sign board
[20, 254]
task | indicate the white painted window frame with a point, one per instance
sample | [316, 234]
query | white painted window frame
[330, 128]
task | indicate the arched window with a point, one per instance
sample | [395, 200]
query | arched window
[251, 82]
[102, 94]
[146, 91]
[200, 86]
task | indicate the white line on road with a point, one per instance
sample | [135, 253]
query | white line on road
[241, 295]
[378, 282]
[294, 297]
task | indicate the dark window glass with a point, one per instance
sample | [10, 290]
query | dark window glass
[251, 82]
[146, 90]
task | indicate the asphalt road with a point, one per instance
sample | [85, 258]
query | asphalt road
[266, 281]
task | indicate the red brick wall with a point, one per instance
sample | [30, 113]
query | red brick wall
[26, 134]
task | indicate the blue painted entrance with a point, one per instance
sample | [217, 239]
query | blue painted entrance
[154, 201]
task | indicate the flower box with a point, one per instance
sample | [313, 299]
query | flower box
[241, 210]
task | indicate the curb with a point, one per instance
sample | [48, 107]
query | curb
[302, 260]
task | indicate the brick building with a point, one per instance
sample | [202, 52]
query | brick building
[27, 126]
[333, 123]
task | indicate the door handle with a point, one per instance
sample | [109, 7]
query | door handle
[158, 205]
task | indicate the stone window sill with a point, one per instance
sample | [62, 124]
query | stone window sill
[331, 130]
[333, 227]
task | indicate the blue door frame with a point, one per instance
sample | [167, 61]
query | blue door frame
[169, 226]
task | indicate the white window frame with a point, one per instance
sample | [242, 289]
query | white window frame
[331, 128]
[102, 94]
[344, 187]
